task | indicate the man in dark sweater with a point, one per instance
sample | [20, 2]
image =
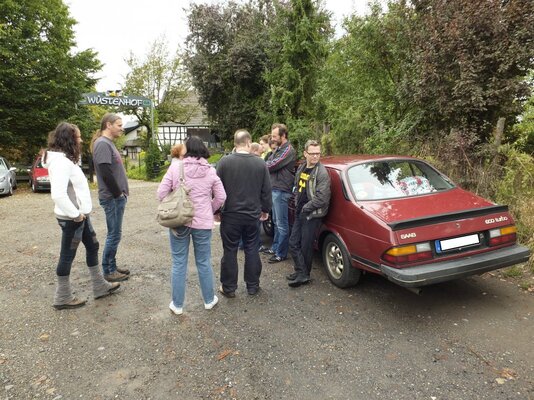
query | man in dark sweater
[248, 189]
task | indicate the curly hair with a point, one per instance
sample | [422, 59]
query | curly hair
[177, 150]
[64, 139]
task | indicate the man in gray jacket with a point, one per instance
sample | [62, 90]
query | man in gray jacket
[312, 197]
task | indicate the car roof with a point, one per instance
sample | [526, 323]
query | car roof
[342, 162]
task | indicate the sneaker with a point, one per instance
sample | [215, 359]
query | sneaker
[124, 271]
[275, 259]
[176, 310]
[115, 276]
[267, 251]
[211, 304]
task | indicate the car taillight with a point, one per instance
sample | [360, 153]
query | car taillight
[409, 253]
[502, 235]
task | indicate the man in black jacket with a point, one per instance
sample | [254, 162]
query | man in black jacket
[312, 197]
[281, 165]
[248, 199]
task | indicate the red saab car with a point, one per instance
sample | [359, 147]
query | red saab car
[39, 179]
[401, 218]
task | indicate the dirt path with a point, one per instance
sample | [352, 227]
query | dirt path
[469, 339]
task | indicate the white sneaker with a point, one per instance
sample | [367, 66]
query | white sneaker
[209, 306]
[175, 309]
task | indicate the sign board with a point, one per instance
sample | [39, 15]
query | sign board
[105, 99]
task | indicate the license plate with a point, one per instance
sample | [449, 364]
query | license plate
[455, 243]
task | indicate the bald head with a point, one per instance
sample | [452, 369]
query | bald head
[242, 139]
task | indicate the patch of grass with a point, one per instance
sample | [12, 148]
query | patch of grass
[137, 173]
[513, 272]
[215, 158]
[527, 285]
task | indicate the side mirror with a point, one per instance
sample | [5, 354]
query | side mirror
[12, 169]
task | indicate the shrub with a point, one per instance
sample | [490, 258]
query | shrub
[152, 161]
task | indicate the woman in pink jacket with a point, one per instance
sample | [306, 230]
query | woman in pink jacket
[208, 195]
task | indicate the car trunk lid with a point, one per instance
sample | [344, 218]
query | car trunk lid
[425, 209]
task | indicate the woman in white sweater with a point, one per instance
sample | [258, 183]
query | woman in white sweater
[72, 199]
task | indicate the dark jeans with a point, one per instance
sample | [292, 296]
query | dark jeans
[114, 209]
[231, 233]
[301, 244]
[72, 234]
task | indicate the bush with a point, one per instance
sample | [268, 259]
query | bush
[516, 188]
[152, 161]
[137, 172]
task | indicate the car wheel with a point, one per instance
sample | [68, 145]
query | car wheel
[34, 188]
[268, 226]
[10, 189]
[337, 263]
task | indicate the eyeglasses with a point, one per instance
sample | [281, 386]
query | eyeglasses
[313, 154]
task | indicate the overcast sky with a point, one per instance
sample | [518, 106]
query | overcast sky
[114, 28]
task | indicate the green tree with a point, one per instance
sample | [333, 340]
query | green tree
[163, 79]
[365, 84]
[472, 59]
[227, 58]
[302, 32]
[522, 133]
[42, 79]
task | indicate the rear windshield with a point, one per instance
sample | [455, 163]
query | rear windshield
[392, 179]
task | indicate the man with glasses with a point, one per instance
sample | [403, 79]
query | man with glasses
[312, 197]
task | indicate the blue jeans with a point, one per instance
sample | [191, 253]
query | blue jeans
[281, 223]
[180, 254]
[114, 209]
[72, 234]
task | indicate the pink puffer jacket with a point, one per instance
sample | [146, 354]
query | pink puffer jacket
[207, 191]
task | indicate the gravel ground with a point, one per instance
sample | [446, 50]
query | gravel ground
[468, 339]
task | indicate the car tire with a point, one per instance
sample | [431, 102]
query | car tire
[337, 263]
[10, 189]
[34, 187]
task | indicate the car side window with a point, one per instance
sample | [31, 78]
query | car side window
[3, 166]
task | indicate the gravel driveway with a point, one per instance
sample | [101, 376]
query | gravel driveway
[468, 339]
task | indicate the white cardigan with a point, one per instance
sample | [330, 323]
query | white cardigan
[64, 173]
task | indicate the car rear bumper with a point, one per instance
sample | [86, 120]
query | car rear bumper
[428, 274]
[42, 185]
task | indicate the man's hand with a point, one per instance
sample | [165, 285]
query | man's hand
[80, 218]
[264, 216]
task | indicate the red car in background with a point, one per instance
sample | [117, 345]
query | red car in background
[39, 180]
[401, 218]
